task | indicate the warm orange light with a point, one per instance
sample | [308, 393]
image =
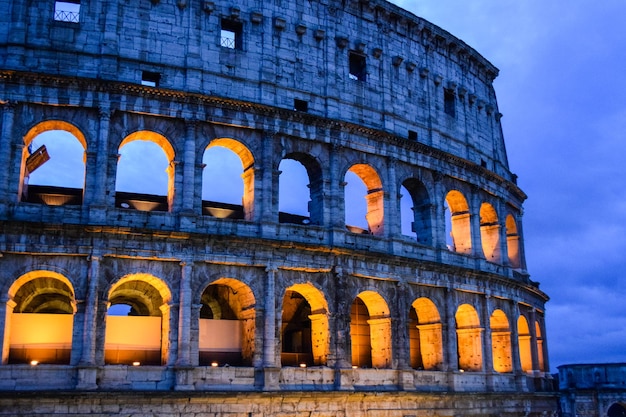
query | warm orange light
[34, 362]
[303, 365]
[214, 364]
[136, 363]
[354, 367]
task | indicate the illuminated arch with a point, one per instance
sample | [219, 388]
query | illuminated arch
[143, 335]
[512, 242]
[421, 223]
[227, 323]
[525, 344]
[370, 331]
[374, 197]
[314, 204]
[305, 331]
[500, 342]
[247, 164]
[150, 202]
[50, 195]
[458, 217]
[469, 338]
[40, 318]
[425, 336]
[490, 232]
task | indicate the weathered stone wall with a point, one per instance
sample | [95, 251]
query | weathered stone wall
[381, 93]
[593, 390]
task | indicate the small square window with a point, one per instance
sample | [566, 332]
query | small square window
[231, 34]
[412, 135]
[300, 105]
[449, 103]
[150, 79]
[358, 68]
[67, 11]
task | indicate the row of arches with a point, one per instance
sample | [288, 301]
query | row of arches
[147, 179]
[137, 326]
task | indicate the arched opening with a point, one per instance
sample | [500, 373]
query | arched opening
[300, 190]
[227, 324]
[458, 217]
[145, 173]
[469, 339]
[415, 211]
[425, 338]
[228, 180]
[40, 319]
[370, 331]
[305, 334]
[490, 232]
[500, 342]
[525, 345]
[53, 164]
[374, 197]
[512, 242]
[539, 337]
[137, 322]
[617, 410]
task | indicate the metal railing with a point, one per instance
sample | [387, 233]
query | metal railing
[65, 16]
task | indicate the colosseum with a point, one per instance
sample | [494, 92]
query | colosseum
[126, 301]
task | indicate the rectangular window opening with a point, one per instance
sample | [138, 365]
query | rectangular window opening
[231, 34]
[67, 11]
[412, 135]
[358, 68]
[150, 79]
[449, 103]
[300, 105]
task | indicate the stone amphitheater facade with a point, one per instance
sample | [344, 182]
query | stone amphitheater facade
[258, 312]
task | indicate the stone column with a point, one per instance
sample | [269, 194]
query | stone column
[6, 138]
[102, 158]
[269, 342]
[268, 199]
[392, 215]
[319, 331]
[487, 344]
[335, 210]
[6, 311]
[438, 213]
[380, 339]
[533, 339]
[271, 359]
[451, 353]
[88, 356]
[474, 209]
[168, 336]
[514, 314]
[189, 164]
[184, 316]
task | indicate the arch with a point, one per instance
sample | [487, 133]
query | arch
[52, 191]
[458, 217]
[234, 211]
[490, 232]
[512, 242]
[469, 338]
[374, 198]
[305, 330]
[421, 223]
[39, 319]
[525, 345]
[301, 212]
[227, 323]
[142, 336]
[425, 335]
[617, 410]
[500, 342]
[370, 331]
[139, 200]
